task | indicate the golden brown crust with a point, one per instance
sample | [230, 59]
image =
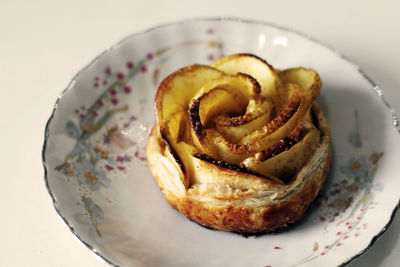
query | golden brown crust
[232, 215]
[251, 220]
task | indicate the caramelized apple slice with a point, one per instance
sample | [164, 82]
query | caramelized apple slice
[242, 87]
[179, 127]
[253, 66]
[176, 133]
[210, 171]
[171, 101]
[171, 152]
[306, 79]
[176, 91]
[228, 94]
[235, 128]
[274, 131]
[226, 150]
[282, 124]
[217, 102]
[293, 152]
[302, 94]
[202, 112]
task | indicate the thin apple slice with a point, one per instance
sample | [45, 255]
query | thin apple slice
[176, 91]
[172, 153]
[202, 112]
[253, 66]
[235, 128]
[242, 87]
[217, 102]
[179, 127]
[297, 81]
[226, 150]
[211, 172]
[292, 152]
[306, 79]
[283, 124]
[171, 102]
[228, 94]
[257, 68]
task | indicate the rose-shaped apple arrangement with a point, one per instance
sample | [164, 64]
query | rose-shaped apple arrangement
[238, 145]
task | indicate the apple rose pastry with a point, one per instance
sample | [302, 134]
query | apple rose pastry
[238, 145]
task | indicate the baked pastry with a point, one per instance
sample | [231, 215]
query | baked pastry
[238, 145]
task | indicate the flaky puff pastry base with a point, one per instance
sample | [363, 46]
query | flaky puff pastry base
[232, 200]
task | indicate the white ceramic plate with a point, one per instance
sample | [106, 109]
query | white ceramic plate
[98, 178]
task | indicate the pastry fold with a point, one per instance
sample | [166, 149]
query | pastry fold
[238, 145]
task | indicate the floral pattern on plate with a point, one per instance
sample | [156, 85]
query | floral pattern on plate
[354, 192]
[97, 175]
[91, 161]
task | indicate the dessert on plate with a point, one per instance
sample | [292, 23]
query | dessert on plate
[238, 145]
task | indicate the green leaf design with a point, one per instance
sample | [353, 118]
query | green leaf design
[72, 130]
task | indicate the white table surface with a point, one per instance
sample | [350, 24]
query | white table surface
[44, 43]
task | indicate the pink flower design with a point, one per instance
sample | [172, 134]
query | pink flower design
[130, 65]
[120, 76]
[100, 102]
[108, 70]
[137, 155]
[127, 89]
[113, 91]
[150, 56]
[109, 168]
[114, 101]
